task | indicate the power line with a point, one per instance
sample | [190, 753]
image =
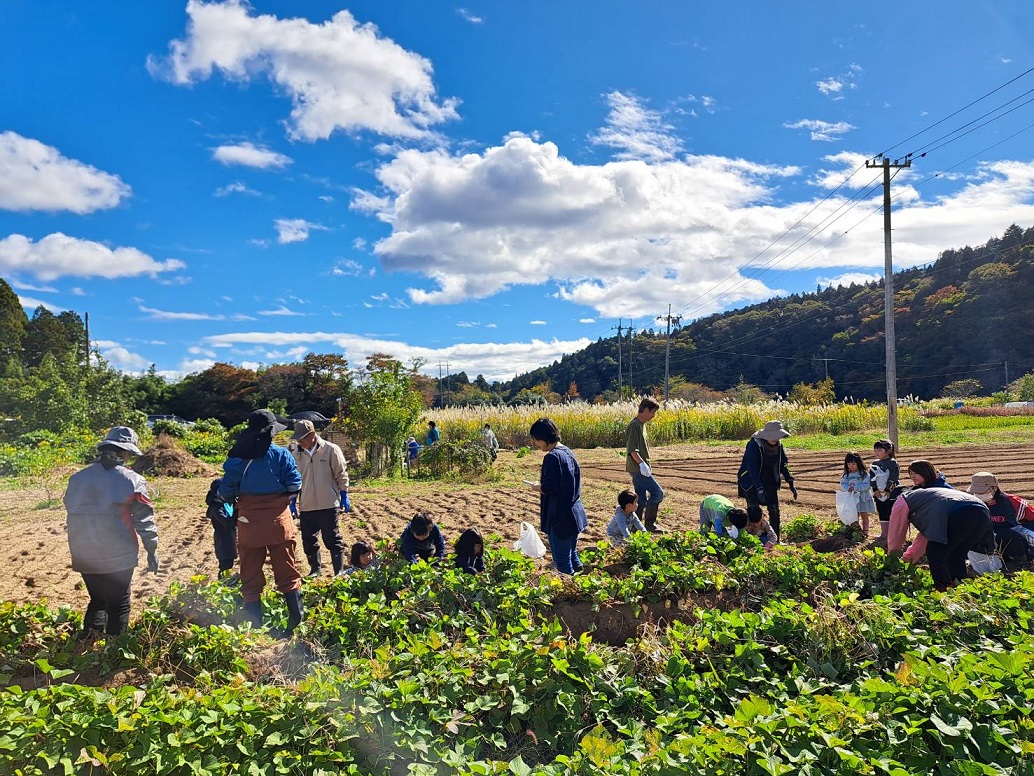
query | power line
[960, 110]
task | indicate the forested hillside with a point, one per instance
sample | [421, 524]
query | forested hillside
[964, 317]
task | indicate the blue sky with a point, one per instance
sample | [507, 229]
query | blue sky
[488, 185]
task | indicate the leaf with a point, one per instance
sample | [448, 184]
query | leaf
[519, 767]
[961, 728]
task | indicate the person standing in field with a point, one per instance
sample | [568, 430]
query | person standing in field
[489, 440]
[260, 478]
[108, 507]
[884, 475]
[433, 434]
[637, 464]
[763, 467]
[561, 514]
[856, 480]
[324, 490]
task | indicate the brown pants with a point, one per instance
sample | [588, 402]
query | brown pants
[285, 570]
[265, 527]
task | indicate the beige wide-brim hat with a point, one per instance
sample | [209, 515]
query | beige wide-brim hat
[772, 432]
[983, 482]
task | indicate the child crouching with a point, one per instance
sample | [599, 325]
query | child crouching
[759, 527]
[625, 521]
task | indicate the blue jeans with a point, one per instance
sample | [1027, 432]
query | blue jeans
[565, 553]
[643, 485]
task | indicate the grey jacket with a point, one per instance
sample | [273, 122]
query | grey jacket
[106, 510]
[929, 509]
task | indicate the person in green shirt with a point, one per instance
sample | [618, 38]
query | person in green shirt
[719, 514]
[637, 464]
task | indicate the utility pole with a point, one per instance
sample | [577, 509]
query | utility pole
[667, 347]
[888, 298]
[620, 396]
[631, 385]
[1007, 375]
[441, 387]
[447, 381]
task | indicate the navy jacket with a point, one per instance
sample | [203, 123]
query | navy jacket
[561, 513]
[752, 474]
[414, 549]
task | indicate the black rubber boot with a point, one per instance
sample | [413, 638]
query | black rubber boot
[295, 611]
[650, 518]
[314, 565]
[253, 612]
[94, 622]
[339, 563]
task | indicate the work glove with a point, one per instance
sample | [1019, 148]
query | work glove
[346, 505]
[152, 562]
[293, 506]
[644, 469]
[762, 498]
[793, 491]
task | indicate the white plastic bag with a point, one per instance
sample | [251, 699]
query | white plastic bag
[847, 507]
[529, 542]
[984, 564]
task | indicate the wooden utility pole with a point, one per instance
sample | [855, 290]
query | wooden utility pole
[667, 348]
[631, 386]
[888, 298]
[620, 397]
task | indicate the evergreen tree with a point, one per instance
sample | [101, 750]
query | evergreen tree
[13, 323]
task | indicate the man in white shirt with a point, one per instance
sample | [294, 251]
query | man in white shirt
[324, 491]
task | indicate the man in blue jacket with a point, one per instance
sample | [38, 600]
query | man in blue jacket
[261, 478]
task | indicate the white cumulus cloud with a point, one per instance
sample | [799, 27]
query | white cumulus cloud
[58, 255]
[121, 357]
[250, 155]
[34, 176]
[292, 230]
[340, 75]
[521, 213]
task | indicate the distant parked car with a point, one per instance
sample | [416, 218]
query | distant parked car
[171, 418]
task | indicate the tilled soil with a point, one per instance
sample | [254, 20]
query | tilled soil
[34, 550]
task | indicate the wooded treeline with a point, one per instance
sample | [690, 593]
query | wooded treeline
[963, 318]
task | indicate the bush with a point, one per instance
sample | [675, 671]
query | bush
[470, 457]
[170, 428]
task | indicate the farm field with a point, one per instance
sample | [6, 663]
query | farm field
[34, 552]
[679, 654]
